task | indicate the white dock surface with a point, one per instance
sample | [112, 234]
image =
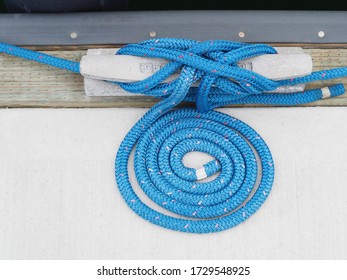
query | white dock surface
[59, 199]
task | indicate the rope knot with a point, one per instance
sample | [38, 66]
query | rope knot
[212, 64]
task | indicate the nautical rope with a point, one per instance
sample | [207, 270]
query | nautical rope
[242, 164]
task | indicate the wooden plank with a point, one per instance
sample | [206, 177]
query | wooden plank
[25, 83]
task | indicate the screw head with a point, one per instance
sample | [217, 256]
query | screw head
[73, 35]
[242, 34]
[152, 34]
[321, 34]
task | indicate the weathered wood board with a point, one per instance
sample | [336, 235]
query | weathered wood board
[29, 84]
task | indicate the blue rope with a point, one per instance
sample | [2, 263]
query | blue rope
[164, 135]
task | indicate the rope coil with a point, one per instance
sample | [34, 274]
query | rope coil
[164, 135]
[209, 206]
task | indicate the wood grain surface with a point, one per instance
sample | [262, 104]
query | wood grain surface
[25, 83]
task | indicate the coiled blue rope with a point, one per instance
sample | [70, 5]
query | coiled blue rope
[164, 135]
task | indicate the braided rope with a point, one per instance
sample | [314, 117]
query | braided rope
[163, 136]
